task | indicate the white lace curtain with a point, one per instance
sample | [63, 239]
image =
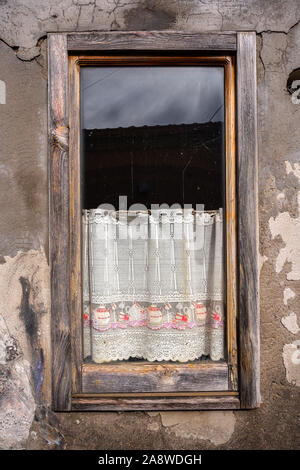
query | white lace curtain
[153, 285]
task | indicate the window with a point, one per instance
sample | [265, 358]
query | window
[153, 221]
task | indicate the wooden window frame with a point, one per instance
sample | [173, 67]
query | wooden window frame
[202, 386]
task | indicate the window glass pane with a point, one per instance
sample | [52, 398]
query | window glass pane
[153, 198]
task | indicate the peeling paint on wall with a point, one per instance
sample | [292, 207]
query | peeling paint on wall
[24, 273]
[262, 260]
[23, 156]
[17, 403]
[295, 170]
[287, 295]
[288, 229]
[2, 92]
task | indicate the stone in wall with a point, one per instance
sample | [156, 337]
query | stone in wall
[24, 372]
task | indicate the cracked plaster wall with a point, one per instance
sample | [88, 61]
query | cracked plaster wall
[26, 420]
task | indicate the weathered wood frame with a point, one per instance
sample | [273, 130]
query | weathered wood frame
[68, 371]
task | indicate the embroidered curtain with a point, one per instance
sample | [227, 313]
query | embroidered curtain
[153, 285]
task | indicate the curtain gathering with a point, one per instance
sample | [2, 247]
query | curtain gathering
[153, 285]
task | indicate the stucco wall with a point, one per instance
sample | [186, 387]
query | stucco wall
[25, 417]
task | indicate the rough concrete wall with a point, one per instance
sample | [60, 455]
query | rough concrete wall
[25, 418]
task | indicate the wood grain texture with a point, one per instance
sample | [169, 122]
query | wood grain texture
[75, 223]
[248, 221]
[59, 221]
[151, 40]
[157, 404]
[154, 377]
[231, 219]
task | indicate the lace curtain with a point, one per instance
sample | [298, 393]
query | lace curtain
[153, 285]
